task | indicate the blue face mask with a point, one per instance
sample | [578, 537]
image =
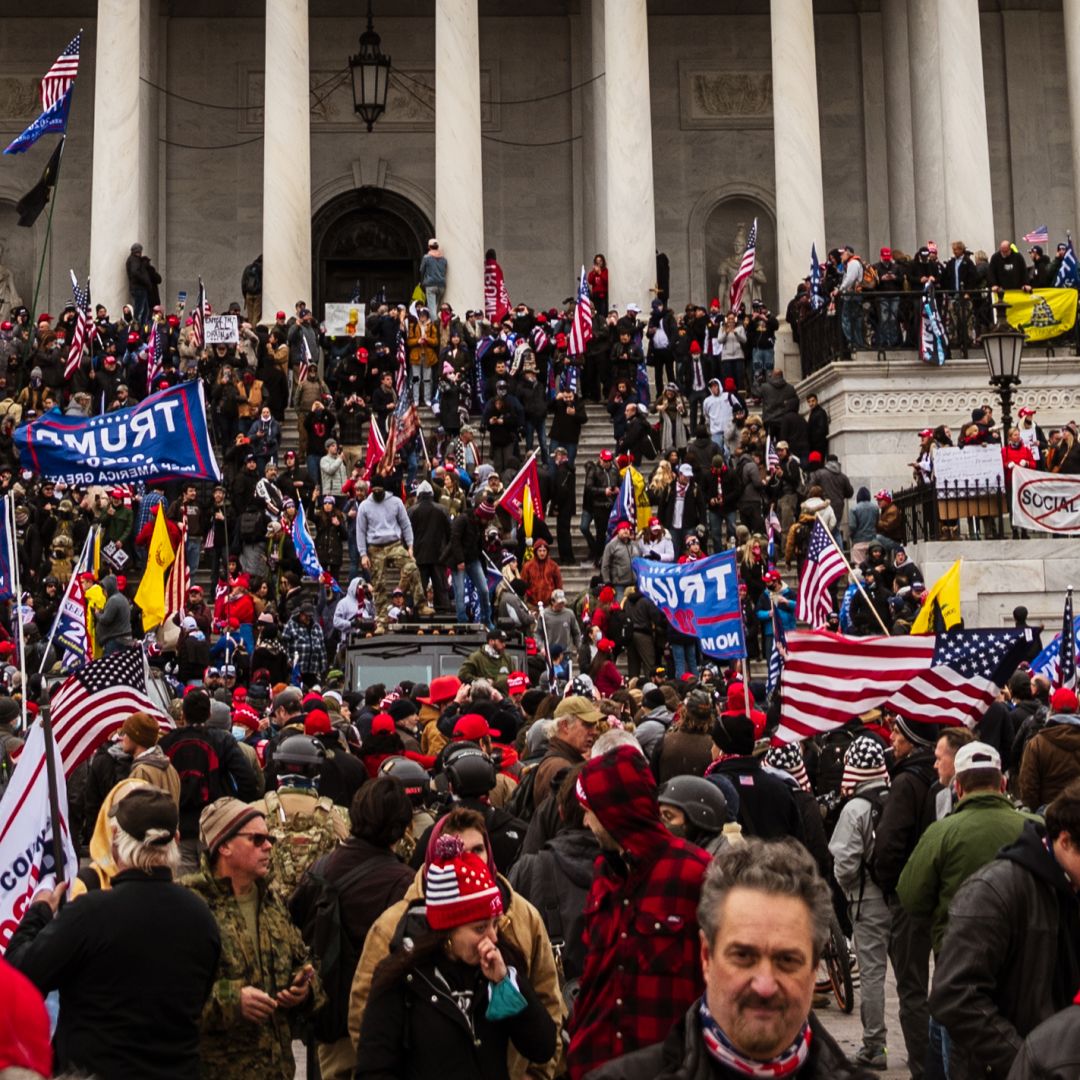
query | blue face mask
[240, 733]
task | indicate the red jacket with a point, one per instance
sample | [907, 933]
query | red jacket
[1016, 455]
[642, 965]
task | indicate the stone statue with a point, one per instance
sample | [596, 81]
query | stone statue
[9, 295]
[729, 267]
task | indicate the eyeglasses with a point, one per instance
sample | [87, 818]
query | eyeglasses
[259, 839]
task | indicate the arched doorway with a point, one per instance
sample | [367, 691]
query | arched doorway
[725, 231]
[368, 240]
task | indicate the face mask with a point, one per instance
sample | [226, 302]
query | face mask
[677, 830]
[239, 732]
[379, 495]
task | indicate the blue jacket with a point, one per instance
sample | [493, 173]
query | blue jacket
[787, 614]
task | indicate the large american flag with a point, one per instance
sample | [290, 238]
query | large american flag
[94, 702]
[824, 564]
[82, 325]
[581, 327]
[198, 326]
[746, 269]
[176, 587]
[58, 79]
[830, 679]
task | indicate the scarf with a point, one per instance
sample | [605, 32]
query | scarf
[721, 1049]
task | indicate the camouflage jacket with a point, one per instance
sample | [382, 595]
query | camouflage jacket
[230, 1047]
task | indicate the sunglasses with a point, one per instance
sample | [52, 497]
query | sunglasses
[259, 839]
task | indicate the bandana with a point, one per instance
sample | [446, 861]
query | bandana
[864, 760]
[721, 1049]
[788, 758]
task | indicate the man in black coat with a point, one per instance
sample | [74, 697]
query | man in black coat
[563, 502]
[639, 439]
[1007, 269]
[431, 533]
[817, 420]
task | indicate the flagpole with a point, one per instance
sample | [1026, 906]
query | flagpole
[63, 600]
[16, 588]
[851, 572]
[547, 652]
[48, 225]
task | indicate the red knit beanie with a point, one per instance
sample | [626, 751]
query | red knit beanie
[458, 887]
[24, 1024]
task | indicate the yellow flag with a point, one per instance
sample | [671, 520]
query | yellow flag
[150, 599]
[527, 518]
[946, 592]
[1041, 313]
[642, 502]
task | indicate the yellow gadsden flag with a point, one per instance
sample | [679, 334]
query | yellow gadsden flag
[150, 599]
[527, 517]
[946, 594]
[1041, 313]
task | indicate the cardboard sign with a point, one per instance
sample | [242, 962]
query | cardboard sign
[1049, 502]
[344, 320]
[221, 330]
[973, 466]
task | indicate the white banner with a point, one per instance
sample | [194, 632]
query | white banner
[221, 330]
[1046, 501]
[973, 465]
[344, 320]
[26, 849]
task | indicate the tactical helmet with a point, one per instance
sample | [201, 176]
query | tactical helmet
[469, 770]
[412, 776]
[300, 755]
[699, 799]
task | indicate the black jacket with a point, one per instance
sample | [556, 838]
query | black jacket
[1007, 271]
[682, 1056]
[907, 813]
[767, 806]
[1052, 1050]
[1011, 955]
[134, 965]
[431, 530]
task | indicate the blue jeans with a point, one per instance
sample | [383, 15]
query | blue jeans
[763, 360]
[596, 547]
[937, 1053]
[685, 657]
[193, 552]
[851, 320]
[313, 470]
[536, 427]
[476, 575]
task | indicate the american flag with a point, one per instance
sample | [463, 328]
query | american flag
[82, 325]
[61, 75]
[816, 299]
[198, 326]
[94, 702]
[824, 564]
[153, 355]
[408, 421]
[1048, 662]
[746, 269]
[581, 327]
[771, 456]
[305, 359]
[1041, 235]
[401, 376]
[1066, 673]
[830, 679]
[179, 579]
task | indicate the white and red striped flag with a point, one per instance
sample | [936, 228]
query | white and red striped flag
[581, 327]
[153, 355]
[376, 447]
[58, 79]
[176, 588]
[824, 564]
[305, 360]
[81, 331]
[401, 376]
[198, 317]
[745, 271]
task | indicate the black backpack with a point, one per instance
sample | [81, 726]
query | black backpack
[830, 768]
[877, 800]
[199, 766]
[520, 803]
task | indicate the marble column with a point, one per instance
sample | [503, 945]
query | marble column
[596, 133]
[969, 206]
[800, 206]
[459, 174]
[121, 196]
[286, 229]
[1071, 12]
[631, 213]
[898, 145]
[926, 124]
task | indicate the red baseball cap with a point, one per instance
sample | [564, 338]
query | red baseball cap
[517, 682]
[607, 455]
[317, 722]
[472, 726]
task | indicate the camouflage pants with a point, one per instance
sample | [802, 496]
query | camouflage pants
[391, 568]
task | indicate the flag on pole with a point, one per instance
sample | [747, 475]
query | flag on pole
[1066, 672]
[779, 652]
[198, 315]
[1067, 276]
[305, 549]
[945, 594]
[176, 588]
[7, 550]
[496, 296]
[745, 271]
[52, 120]
[376, 447]
[581, 327]
[1040, 235]
[824, 565]
[305, 359]
[513, 498]
[625, 506]
[72, 636]
[527, 519]
[932, 333]
[29, 207]
[401, 376]
[58, 80]
[1048, 662]
[153, 355]
[81, 331]
[816, 299]
[150, 597]
[772, 458]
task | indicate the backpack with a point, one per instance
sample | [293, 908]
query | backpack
[199, 767]
[520, 804]
[870, 278]
[877, 800]
[299, 839]
[335, 955]
[648, 446]
[830, 768]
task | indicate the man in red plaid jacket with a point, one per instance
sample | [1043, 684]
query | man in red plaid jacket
[642, 965]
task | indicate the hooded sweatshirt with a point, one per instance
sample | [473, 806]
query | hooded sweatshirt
[863, 518]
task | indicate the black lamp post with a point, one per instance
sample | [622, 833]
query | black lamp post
[1004, 349]
[370, 69]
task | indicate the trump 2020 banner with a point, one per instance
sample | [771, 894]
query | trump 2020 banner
[164, 437]
[1046, 501]
[699, 599]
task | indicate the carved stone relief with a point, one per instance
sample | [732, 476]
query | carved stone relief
[722, 98]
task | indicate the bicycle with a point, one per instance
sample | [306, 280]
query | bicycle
[837, 957]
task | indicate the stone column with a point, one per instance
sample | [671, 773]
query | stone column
[969, 206]
[596, 133]
[120, 196]
[800, 206]
[926, 124]
[1071, 12]
[898, 146]
[286, 247]
[459, 174]
[631, 216]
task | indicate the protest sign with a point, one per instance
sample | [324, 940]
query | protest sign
[344, 320]
[221, 330]
[968, 467]
[700, 599]
[1049, 502]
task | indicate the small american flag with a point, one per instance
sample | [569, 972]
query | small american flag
[401, 376]
[1066, 672]
[824, 564]
[305, 360]
[198, 326]
[746, 269]
[581, 327]
[771, 456]
[153, 355]
[82, 325]
[95, 701]
[61, 75]
[1041, 235]
[816, 299]
[779, 652]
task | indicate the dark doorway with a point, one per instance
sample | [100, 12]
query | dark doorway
[367, 243]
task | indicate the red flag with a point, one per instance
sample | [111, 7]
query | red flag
[376, 447]
[496, 297]
[514, 495]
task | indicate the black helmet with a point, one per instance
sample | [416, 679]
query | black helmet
[699, 799]
[469, 770]
[412, 776]
[299, 755]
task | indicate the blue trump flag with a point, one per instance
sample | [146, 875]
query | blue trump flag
[164, 437]
[53, 119]
[699, 599]
[304, 547]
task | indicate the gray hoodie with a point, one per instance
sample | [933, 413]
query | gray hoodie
[114, 621]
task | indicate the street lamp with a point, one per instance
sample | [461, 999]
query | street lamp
[1004, 349]
[370, 75]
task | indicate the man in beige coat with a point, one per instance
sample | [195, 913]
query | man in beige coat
[139, 738]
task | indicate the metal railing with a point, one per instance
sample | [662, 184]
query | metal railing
[953, 511]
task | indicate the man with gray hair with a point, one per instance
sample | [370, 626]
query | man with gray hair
[764, 918]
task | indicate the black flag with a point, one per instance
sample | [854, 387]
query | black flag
[36, 199]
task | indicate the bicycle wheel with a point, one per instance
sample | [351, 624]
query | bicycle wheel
[838, 964]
